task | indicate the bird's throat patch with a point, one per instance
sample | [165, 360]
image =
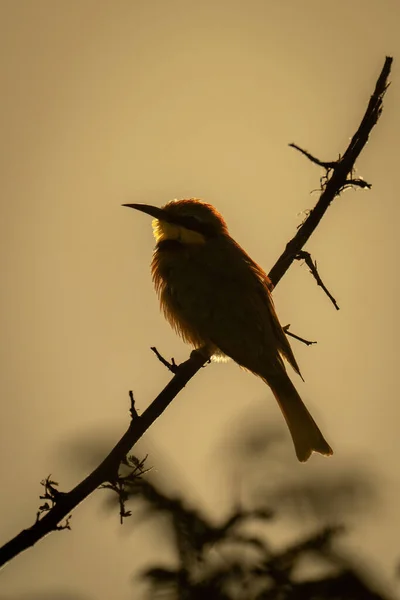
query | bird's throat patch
[169, 231]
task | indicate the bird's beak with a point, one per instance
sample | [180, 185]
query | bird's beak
[153, 211]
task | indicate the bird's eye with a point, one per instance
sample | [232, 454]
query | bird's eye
[193, 221]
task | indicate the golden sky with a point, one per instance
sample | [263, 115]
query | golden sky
[108, 102]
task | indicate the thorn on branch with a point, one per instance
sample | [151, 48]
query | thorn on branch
[65, 525]
[325, 164]
[50, 490]
[52, 495]
[331, 166]
[171, 366]
[306, 256]
[357, 183]
[297, 337]
[132, 410]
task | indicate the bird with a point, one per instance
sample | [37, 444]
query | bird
[219, 301]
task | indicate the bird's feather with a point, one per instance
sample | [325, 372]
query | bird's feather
[216, 294]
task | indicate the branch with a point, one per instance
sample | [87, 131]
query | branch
[64, 503]
[340, 177]
[107, 471]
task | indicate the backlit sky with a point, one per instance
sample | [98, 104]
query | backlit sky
[106, 102]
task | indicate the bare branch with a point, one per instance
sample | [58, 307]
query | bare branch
[341, 170]
[108, 470]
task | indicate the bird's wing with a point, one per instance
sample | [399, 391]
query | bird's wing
[264, 291]
[224, 295]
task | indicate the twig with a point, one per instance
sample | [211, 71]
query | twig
[306, 256]
[171, 366]
[297, 337]
[107, 470]
[317, 161]
[360, 182]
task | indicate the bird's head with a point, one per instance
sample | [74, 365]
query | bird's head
[189, 221]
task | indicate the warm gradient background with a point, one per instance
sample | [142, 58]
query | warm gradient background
[105, 102]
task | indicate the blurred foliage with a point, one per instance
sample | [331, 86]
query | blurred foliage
[237, 558]
[229, 562]
[342, 490]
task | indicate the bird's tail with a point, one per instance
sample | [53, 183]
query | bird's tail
[305, 433]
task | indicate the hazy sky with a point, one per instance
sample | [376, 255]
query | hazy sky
[106, 102]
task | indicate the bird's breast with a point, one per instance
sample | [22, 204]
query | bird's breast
[213, 293]
[180, 279]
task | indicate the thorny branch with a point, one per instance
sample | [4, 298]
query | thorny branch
[339, 177]
[107, 471]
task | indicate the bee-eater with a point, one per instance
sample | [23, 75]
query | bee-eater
[216, 297]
